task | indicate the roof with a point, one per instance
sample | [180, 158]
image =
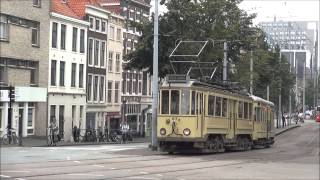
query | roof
[111, 5]
[259, 99]
[79, 6]
[63, 8]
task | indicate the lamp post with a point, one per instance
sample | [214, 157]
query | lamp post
[154, 142]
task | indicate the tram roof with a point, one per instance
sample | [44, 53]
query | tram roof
[259, 99]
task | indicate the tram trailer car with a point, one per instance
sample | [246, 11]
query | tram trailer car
[200, 117]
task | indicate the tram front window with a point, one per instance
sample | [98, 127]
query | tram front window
[165, 102]
[185, 102]
[175, 101]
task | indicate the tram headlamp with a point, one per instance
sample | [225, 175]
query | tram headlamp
[163, 131]
[186, 132]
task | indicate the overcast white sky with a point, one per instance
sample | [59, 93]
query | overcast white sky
[283, 10]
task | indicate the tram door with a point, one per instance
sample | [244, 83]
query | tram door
[200, 111]
[232, 118]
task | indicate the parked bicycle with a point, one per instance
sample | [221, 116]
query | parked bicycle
[10, 137]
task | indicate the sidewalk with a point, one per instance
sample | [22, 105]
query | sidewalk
[42, 141]
[281, 130]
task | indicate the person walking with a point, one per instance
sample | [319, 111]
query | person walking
[283, 121]
[54, 130]
[125, 129]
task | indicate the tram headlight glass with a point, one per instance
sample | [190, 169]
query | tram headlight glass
[186, 132]
[163, 131]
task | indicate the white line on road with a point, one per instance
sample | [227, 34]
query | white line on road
[20, 179]
[5, 176]
[97, 175]
[142, 172]
[98, 165]
[68, 158]
[112, 168]
[77, 162]
[140, 177]
[159, 175]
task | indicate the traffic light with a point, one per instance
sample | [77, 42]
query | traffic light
[11, 94]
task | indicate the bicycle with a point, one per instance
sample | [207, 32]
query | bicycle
[52, 139]
[10, 137]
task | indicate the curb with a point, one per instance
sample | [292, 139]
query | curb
[287, 129]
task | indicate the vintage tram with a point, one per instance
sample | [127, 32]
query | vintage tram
[197, 116]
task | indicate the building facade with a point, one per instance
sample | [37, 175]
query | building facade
[67, 69]
[114, 71]
[24, 37]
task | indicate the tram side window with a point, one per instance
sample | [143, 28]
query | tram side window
[240, 110]
[246, 110]
[165, 102]
[250, 110]
[185, 102]
[218, 106]
[175, 102]
[193, 102]
[224, 107]
[211, 105]
[257, 116]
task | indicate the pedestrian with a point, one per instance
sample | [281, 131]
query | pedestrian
[283, 121]
[74, 133]
[54, 130]
[125, 129]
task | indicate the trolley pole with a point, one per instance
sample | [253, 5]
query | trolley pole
[154, 143]
[225, 56]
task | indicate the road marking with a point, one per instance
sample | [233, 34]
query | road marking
[97, 175]
[68, 158]
[112, 168]
[17, 171]
[5, 176]
[23, 151]
[159, 175]
[142, 172]
[20, 179]
[141, 177]
[77, 162]
[98, 165]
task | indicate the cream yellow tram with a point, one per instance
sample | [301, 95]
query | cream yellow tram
[200, 116]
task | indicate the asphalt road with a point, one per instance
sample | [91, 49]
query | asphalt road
[295, 155]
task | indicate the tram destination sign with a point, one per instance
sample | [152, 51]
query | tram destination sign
[177, 78]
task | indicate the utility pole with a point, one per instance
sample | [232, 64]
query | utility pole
[154, 142]
[225, 56]
[304, 87]
[290, 108]
[251, 72]
[280, 104]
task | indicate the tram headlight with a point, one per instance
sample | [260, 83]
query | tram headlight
[186, 132]
[163, 131]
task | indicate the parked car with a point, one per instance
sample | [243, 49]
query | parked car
[318, 118]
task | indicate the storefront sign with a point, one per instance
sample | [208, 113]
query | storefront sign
[4, 96]
[30, 94]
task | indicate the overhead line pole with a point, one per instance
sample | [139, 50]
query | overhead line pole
[154, 142]
[225, 56]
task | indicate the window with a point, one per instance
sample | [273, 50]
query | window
[117, 62]
[95, 88]
[81, 76]
[35, 36]
[218, 106]
[165, 102]
[102, 54]
[144, 82]
[111, 34]
[73, 74]
[81, 113]
[96, 53]
[109, 91]
[81, 40]
[250, 111]
[175, 100]
[73, 113]
[110, 61]
[124, 82]
[52, 112]
[211, 104]
[54, 35]
[103, 26]
[61, 120]
[185, 100]
[1, 114]
[118, 34]
[116, 92]
[62, 67]
[98, 24]
[63, 37]
[101, 89]
[90, 53]
[4, 28]
[36, 3]
[89, 88]
[91, 22]
[140, 84]
[74, 39]
[245, 110]
[32, 76]
[240, 109]
[53, 72]
[224, 107]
